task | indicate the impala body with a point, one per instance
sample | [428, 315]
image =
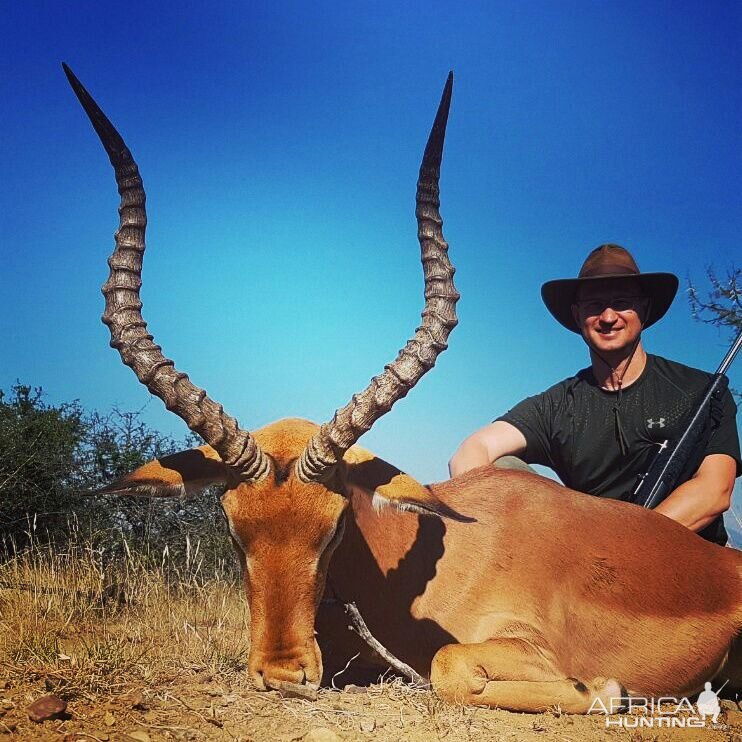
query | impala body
[506, 588]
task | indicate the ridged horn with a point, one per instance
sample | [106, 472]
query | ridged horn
[123, 315]
[334, 438]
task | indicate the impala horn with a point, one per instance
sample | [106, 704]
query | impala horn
[349, 423]
[123, 315]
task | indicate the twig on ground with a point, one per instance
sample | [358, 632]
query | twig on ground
[216, 722]
[359, 626]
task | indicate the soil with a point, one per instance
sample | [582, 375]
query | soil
[195, 706]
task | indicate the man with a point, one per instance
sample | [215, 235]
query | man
[601, 428]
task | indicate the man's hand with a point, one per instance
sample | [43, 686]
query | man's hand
[697, 502]
[487, 445]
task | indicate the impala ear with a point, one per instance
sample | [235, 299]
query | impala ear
[181, 473]
[390, 486]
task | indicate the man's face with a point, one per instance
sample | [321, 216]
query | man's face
[610, 314]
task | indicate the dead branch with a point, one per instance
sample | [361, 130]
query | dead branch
[359, 626]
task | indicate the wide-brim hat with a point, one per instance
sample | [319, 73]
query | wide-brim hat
[609, 262]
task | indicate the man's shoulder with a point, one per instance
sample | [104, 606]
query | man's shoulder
[684, 377]
[573, 385]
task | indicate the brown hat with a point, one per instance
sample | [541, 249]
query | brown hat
[609, 261]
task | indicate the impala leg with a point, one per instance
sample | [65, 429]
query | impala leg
[512, 674]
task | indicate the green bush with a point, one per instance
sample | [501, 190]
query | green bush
[54, 457]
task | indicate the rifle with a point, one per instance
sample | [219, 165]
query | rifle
[677, 458]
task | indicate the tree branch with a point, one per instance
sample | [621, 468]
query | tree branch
[359, 626]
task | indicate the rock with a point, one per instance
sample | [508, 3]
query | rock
[295, 690]
[726, 703]
[368, 724]
[109, 719]
[7, 704]
[45, 708]
[733, 717]
[137, 701]
[350, 688]
[321, 734]
[139, 735]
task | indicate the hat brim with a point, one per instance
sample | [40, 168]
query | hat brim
[559, 295]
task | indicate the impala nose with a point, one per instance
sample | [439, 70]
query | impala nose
[285, 679]
[299, 664]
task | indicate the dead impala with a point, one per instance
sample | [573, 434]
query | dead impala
[540, 597]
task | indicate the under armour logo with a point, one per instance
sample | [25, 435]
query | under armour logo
[660, 423]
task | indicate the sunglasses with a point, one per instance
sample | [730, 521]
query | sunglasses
[596, 306]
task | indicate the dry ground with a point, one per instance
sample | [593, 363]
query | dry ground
[158, 653]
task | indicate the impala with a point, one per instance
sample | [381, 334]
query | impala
[504, 587]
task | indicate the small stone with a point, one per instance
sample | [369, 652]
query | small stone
[368, 724]
[109, 719]
[726, 703]
[139, 735]
[7, 704]
[733, 717]
[321, 734]
[137, 701]
[350, 688]
[295, 690]
[45, 708]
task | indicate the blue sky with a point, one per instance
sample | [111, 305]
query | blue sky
[279, 145]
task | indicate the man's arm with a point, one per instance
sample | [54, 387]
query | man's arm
[697, 502]
[486, 445]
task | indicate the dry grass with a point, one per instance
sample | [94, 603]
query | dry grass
[94, 626]
[97, 630]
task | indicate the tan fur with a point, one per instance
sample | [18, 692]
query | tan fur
[180, 473]
[545, 596]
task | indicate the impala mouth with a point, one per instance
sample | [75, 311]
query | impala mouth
[296, 676]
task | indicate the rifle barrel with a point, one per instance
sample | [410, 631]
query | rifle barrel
[729, 357]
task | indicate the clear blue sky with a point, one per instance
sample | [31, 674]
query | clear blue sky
[279, 145]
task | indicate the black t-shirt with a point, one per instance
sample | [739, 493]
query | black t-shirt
[572, 428]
